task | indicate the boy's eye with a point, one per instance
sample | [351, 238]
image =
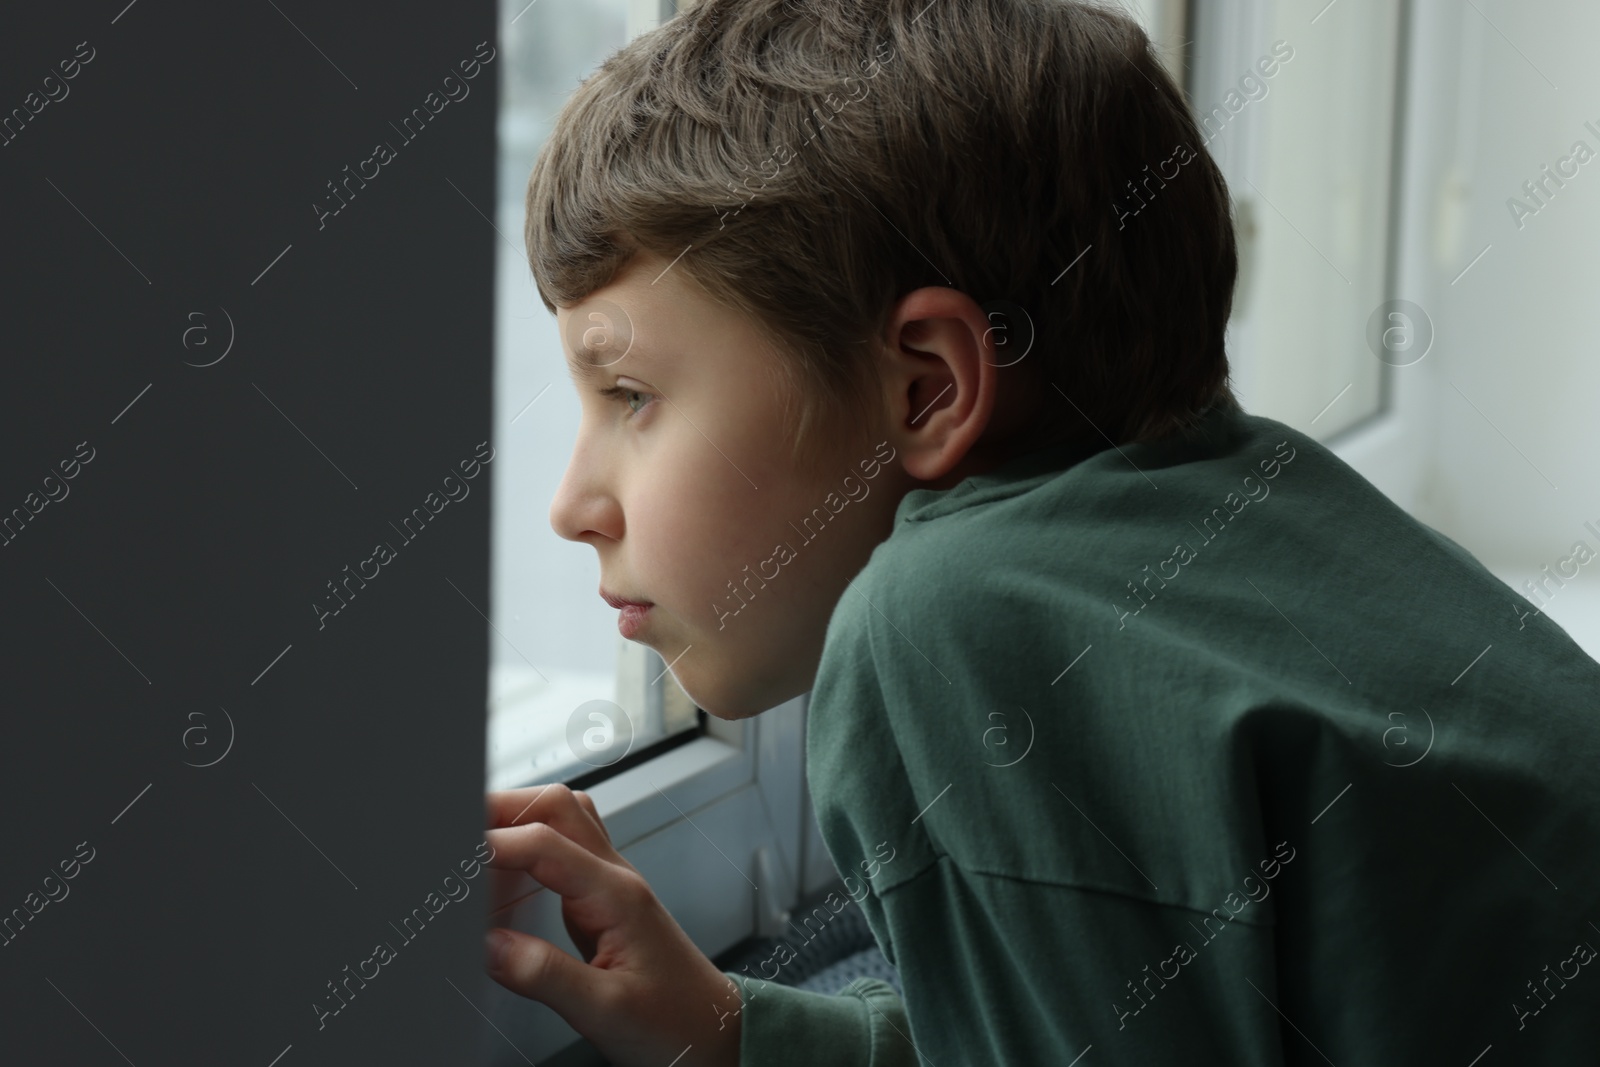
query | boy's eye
[626, 395]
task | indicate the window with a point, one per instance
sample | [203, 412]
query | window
[1303, 109]
[1299, 109]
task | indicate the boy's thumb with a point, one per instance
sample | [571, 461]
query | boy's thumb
[536, 969]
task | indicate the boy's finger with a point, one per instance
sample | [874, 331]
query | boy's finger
[509, 806]
[557, 805]
[554, 860]
[538, 970]
[594, 813]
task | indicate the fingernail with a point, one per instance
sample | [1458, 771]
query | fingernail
[495, 944]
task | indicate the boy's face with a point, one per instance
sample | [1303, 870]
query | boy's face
[683, 485]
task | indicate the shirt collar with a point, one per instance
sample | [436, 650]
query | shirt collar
[1032, 469]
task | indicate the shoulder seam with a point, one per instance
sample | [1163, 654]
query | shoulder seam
[1011, 877]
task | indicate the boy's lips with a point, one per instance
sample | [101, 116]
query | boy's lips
[632, 615]
[622, 602]
[631, 619]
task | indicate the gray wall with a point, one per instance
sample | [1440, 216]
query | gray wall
[258, 790]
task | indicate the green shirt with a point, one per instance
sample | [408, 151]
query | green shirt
[1199, 752]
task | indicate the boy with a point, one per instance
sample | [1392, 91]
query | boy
[1145, 730]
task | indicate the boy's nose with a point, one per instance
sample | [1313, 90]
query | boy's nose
[563, 509]
[581, 509]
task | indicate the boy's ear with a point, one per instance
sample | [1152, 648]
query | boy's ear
[942, 383]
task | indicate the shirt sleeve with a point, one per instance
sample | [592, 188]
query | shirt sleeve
[863, 1025]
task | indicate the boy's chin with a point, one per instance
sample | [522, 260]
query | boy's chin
[727, 704]
[728, 678]
[727, 716]
[716, 704]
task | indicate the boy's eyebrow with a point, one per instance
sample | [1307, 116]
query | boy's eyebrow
[590, 361]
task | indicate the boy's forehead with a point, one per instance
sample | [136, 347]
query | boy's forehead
[647, 318]
[599, 334]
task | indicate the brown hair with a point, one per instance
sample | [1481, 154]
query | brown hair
[819, 159]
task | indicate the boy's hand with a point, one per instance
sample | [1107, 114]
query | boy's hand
[644, 994]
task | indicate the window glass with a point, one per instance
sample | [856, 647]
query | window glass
[566, 693]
